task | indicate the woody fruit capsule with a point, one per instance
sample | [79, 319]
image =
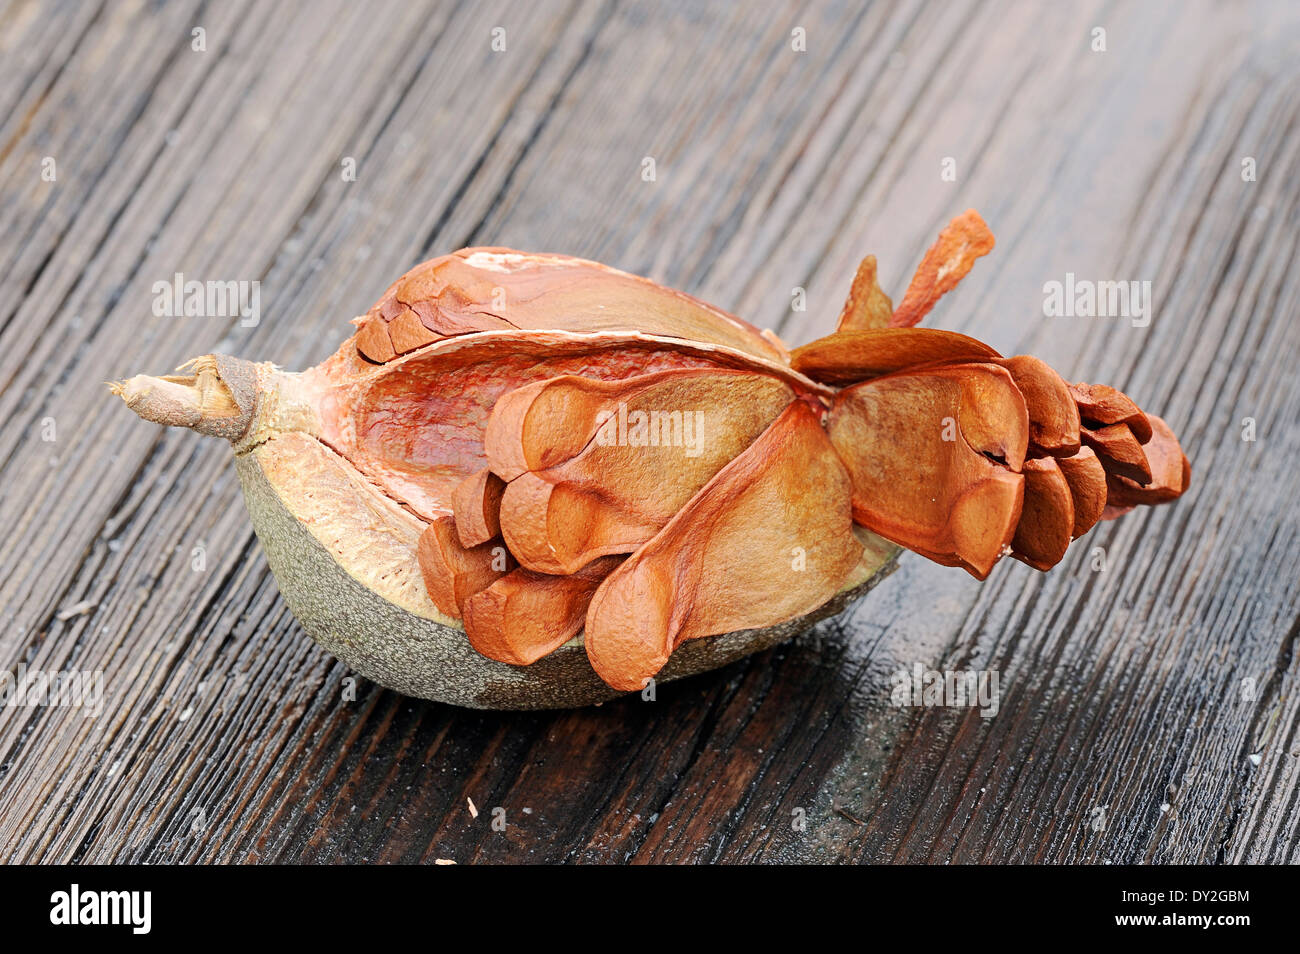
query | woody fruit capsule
[533, 481]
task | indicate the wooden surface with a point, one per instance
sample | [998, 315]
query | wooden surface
[1160, 693]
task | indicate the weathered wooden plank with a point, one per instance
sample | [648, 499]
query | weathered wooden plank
[227, 735]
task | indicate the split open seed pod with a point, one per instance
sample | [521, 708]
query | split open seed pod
[532, 481]
[370, 486]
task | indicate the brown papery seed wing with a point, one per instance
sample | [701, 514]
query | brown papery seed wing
[1053, 415]
[662, 439]
[867, 305]
[525, 615]
[847, 357]
[1046, 524]
[476, 505]
[1087, 480]
[1119, 451]
[1171, 473]
[962, 240]
[1103, 404]
[495, 289]
[544, 423]
[919, 447]
[768, 539]
[548, 422]
[453, 573]
[415, 426]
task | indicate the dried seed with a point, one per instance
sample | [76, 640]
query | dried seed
[867, 306]
[476, 504]
[1119, 451]
[933, 456]
[526, 615]
[1102, 404]
[947, 262]
[1053, 416]
[1087, 480]
[1046, 524]
[661, 439]
[1171, 473]
[848, 357]
[768, 539]
[453, 573]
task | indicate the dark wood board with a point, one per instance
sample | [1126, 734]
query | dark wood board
[1148, 712]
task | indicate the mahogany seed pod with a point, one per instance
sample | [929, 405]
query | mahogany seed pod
[485, 448]
[346, 466]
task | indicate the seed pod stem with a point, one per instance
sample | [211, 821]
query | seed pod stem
[243, 401]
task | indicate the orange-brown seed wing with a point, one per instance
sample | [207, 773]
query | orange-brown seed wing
[524, 616]
[768, 539]
[1119, 451]
[415, 426]
[1087, 480]
[933, 456]
[1171, 473]
[453, 573]
[1053, 415]
[659, 443]
[1046, 524]
[544, 423]
[867, 305]
[1103, 404]
[947, 262]
[476, 505]
[847, 357]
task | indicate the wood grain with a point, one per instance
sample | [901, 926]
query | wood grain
[1160, 693]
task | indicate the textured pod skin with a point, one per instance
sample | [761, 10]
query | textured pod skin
[422, 657]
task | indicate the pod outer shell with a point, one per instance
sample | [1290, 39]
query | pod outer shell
[420, 657]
